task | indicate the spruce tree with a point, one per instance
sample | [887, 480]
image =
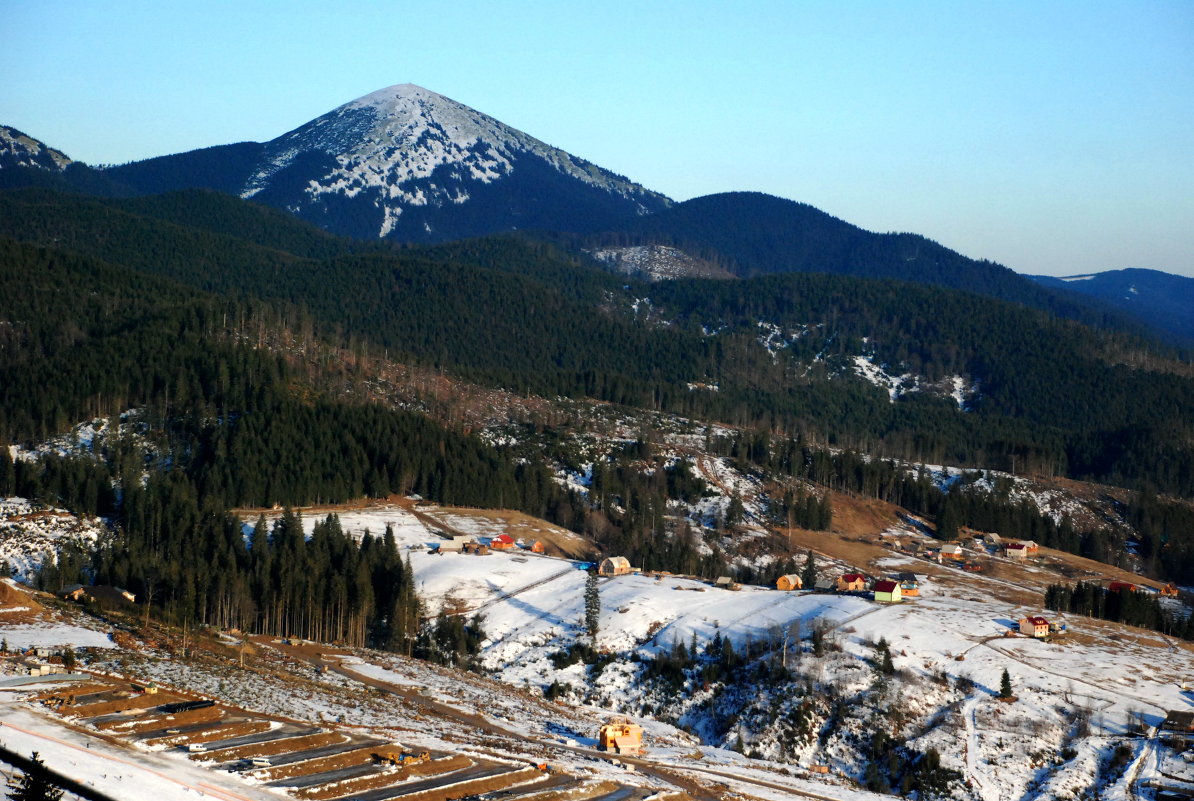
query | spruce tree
[35, 784]
[1005, 685]
[808, 576]
[592, 605]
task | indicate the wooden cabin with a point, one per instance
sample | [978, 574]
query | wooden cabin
[851, 582]
[789, 582]
[1169, 590]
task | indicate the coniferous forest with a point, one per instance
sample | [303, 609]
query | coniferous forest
[162, 304]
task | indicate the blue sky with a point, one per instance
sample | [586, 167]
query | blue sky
[1051, 137]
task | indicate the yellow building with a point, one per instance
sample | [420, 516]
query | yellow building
[789, 582]
[614, 566]
[621, 736]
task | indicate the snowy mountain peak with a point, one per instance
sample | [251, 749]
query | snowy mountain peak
[406, 148]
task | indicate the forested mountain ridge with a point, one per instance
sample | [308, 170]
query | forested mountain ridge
[750, 234]
[794, 351]
[1164, 300]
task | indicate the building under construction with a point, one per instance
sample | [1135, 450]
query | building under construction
[621, 736]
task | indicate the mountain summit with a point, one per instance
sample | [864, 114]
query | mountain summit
[405, 162]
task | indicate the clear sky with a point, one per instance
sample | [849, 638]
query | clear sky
[1053, 137]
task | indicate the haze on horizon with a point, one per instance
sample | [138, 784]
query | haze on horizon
[1053, 139]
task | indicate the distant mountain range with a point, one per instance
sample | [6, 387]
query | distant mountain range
[1161, 300]
[406, 164]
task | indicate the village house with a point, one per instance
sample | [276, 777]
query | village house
[1178, 721]
[1121, 586]
[1031, 547]
[105, 595]
[954, 552]
[621, 736]
[614, 566]
[851, 582]
[1169, 590]
[993, 539]
[888, 592]
[1015, 550]
[74, 592]
[1034, 626]
[789, 582]
[909, 587]
[825, 584]
[537, 547]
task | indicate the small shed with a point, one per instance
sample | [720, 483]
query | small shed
[789, 582]
[993, 539]
[621, 736]
[1034, 626]
[614, 566]
[727, 583]
[538, 547]
[909, 588]
[888, 592]
[851, 582]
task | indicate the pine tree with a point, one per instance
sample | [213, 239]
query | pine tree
[592, 605]
[35, 784]
[1005, 685]
[808, 576]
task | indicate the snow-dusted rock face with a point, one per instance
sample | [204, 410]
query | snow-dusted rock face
[398, 162]
[20, 150]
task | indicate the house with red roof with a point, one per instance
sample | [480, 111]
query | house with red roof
[1015, 550]
[502, 542]
[851, 582]
[888, 592]
[1034, 626]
